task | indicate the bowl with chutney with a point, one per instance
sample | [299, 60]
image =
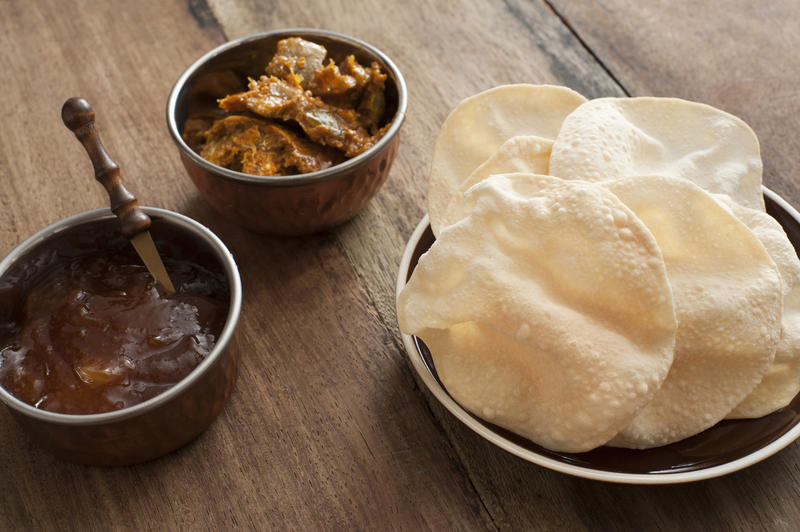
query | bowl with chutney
[289, 132]
[98, 363]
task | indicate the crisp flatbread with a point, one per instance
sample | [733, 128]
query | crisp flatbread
[477, 127]
[547, 310]
[610, 138]
[782, 382]
[525, 154]
[728, 301]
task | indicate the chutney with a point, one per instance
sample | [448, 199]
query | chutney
[89, 330]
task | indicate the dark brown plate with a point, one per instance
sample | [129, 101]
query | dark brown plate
[726, 447]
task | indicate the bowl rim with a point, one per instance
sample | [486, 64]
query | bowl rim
[299, 179]
[438, 391]
[234, 310]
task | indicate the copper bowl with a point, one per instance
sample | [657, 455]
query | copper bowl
[287, 205]
[165, 422]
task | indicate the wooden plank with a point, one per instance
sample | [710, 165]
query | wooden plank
[737, 55]
[442, 64]
[448, 51]
[325, 428]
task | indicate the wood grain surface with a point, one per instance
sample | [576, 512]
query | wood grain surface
[327, 428]
[732, 54]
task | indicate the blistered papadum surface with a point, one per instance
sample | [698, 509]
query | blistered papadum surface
[477, 127]
[728, 301]
[610, 138]
[547, 310]
[523, 154]
[782, 382]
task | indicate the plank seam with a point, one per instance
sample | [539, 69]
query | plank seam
[586, 47]
[204, 15]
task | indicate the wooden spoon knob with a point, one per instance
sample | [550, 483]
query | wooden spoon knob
[78, 116]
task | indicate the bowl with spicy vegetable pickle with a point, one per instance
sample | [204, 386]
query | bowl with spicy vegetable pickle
[289, 132]
[98, 363]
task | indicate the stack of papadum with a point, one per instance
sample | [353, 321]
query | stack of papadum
[604, 271]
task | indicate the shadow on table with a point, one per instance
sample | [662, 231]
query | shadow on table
[519, 494]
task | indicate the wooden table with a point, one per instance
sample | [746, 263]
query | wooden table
[327, 428]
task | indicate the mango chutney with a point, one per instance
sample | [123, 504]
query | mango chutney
[93, 332]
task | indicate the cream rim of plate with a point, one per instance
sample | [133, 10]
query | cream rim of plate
[415, 357]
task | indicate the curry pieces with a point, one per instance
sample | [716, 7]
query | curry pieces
[302, 116]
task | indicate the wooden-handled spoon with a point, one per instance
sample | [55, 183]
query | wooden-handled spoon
[78, 116]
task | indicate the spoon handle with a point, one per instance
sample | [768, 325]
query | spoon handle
[78, 116]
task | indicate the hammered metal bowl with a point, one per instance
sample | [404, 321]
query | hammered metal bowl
[165, 422]
[285, 205]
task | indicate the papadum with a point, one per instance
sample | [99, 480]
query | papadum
[477, 127]
[728, 301]
[547, 310]
[609, 138]
[526, 154]
[782, 382]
